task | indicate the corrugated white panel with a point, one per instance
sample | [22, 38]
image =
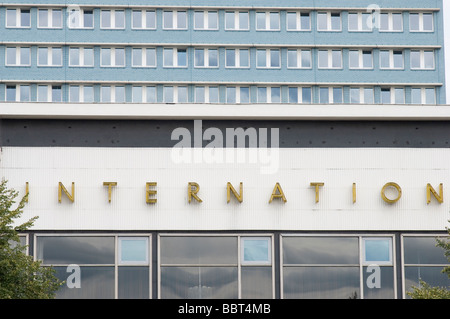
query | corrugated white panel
[294, 169]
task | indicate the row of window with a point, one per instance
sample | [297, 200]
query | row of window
[231, 266]
[114, 19]
[234, 58]
[211, 94]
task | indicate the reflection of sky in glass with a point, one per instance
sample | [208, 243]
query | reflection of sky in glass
[377, 250]
[133, 250]
[256, 250]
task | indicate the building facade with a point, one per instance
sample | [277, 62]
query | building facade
[259, 150]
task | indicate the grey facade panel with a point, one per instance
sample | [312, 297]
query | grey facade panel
[157, 133]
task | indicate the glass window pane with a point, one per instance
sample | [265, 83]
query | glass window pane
[386, 283]
[106, 18]
[168, 19]
[212, 20]
[199, 20]
[368, 96]
[57, 18]
[137, 57]
[56, 56]
[95, 283]
[384, 59]
[415, 59]
[414, 22]
[262, 95]
[25, 95]
[323, 58]
[428, 22]
[261, 58]
[398, 59]
[120, 19]
[385, 96]
[120, 57]
[320, 250]
[230, 57]
[231, 95]
[88, 56]
[200, 94]
[428, 59]
[213, 95]
[399, 96]
[305, 21]
[106, 94]
[133, 282]
[367, 59]
[367, 22]
[151, 57]
[11, 93]
[337, 95]
[335, 21]
[275, 95]
[322, 21]
[244, 95]
[323, 95]
[354, 58]
[307, 95]
[181, 20]
[274, 21]
[182, 57]
[243, 20]
[75, 250]
[106, 57]
[384, 21]
[11, 56]
[42, 93]
[292, 58]
[43, 18]
[397, 22]
[433, 276]
[321, 282]
[256, 282]
[136, 19]
[199, 57]
[293, 95]
[25, 18]
[377, 250]
[136, 93]
[56, 94]
[151, 94]
[256, 250]
[182, 94]
[229, 20]
[199, 283]
[11, 18]
[168, 57]
[168, 94]
[274, 58]
[244, 58]
[198, 250]
[353, 21]
[25, 56]
[88, 92]
[260, 20]
[355, 95]
[213, 58]
[43, 56]
[430, 96]
[306, 58]
[133, 250]
[423, 250]
[88, 19]
[337, 58]
[416, 96]
[74, 93]
[150, 17]
[291, 18]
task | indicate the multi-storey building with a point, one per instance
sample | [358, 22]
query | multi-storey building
[329, 116]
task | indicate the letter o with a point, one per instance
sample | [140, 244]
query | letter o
[397, 187]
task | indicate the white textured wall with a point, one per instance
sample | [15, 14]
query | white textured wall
[131, 168]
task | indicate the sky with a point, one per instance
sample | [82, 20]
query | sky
[447, 46]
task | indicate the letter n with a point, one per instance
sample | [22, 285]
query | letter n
[61, 189]
[430, 190]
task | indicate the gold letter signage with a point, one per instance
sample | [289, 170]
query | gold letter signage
[193, 189]
[239, 197]
[383, 190]
[149, 192]
[317, 185]
[277, 193]
[430, 190]
[61, 189]
[109, 184]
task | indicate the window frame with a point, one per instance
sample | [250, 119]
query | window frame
[421, 22]
[298, 21]
[361, 53]
[144, 57]
[175, 19]
[175, 52]
[18, 19]
[82, 19]
[237, 25]
[206, 58]
[329, 21]
[268, 63]
[267, 24]
[362, 95]
[423, 95]
[422, 59]
[50, 62]
[17, 57]
[391, 22]
[360, 18]
[113, 19]
[144, 17]
[392, 60]
[330, 59]
[18, 92]
[81, 57]
[206, 19]
[237, 58]
[50, 24]
[81, 93]
[299, 60]
[113, 57]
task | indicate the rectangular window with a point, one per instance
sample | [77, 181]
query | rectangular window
[300, 95]
[18, 18]
[112, 19]
[49, 93]
[175, 57]
[206, 20]
[206, 58]
[422, 59]
[18, 56]
[144, 57]
[143, 19]
[268, 58]
[298, 21]
[81, 57]
[392, 95]
[269, 95]
[173, 20]
[50, 56]
[329, 21]
[81, 93]
[236, 20]
[330, 59]
[18, 93]
[267, 21]
[360, 22]
[363, 95]
[175, 94]
[50, 18]
[112, 57]
[391, 59]
[360, 59]
[330, 95]
[112, 94]
[237, 58]
[299, 59]
[391, 22]
[421, 22]
[423, 96]
[81, 19]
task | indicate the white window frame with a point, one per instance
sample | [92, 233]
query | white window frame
[19, 22]
[18, 89]
[268, 59]
[175, 58]
[255, 263]
[329, 22]
[390, 262]
[206, 52]
[81, 55]
[237, 96]
[362, 95]
[119, 251]
[113, 19]
[299, 59]
[423, 96]
[361, 59]
[113, 94]
[144, 96]
[267, 21]
[144, 53]
[49, 93]
[50, 22]
[50, 62]
[237, 26]
[361, 22]
[175, 20]
[113, 58]
[421, 24]
[206, 20]
[391, 60]
[143, 20]
[391, 22]
[237, 58]
[422, 60]
[330, 60]
[300, 99]
[207, 93]
[79, 16]
[268, 94]
[175, 98]
[298, 23]
[18, 56]
[81, 93]
[331, 95]
[393, 94]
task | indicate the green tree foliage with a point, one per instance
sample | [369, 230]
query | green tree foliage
[20, 276]
[425, 291]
